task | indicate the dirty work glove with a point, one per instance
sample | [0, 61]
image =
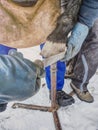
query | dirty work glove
[75, 41]
[19, 77]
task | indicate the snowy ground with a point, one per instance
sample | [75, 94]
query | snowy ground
[79, 116]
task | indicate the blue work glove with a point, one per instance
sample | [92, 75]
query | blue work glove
[20, 78]
[75, 41]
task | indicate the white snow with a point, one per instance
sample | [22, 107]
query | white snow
[79, 116]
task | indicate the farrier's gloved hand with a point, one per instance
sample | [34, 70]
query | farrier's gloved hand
[19, 77]
[75, 41]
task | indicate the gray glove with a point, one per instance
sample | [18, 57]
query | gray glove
[19, 77]
[75, 41]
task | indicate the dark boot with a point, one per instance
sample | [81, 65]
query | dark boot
[3, 107]
[82, 95]
[63, 99]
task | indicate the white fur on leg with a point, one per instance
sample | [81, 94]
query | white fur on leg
[51, 48]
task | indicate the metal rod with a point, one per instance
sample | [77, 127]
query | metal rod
[53, 96]
[56, 120]
[32, 107]
[53, 85]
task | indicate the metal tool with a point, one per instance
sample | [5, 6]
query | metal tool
[53, 59]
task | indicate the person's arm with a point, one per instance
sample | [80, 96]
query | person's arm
[20, 78]
[88, 14]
